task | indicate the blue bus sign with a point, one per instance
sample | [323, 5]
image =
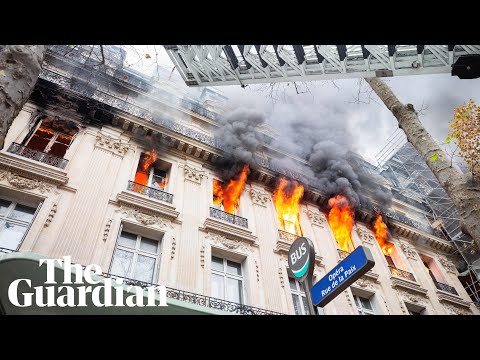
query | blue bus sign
[342, 276]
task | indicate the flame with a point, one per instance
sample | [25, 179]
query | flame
[286, 198]
[163, 183]
[341, 218]
[217, 192]
[141, 176]
[149, 158]
[229, 195]
[381, 233]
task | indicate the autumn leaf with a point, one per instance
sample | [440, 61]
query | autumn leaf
[147, 56]
[70, 46]
[447, 140]
[434, 157]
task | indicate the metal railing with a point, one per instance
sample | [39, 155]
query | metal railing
[202, 300]
[6, 251]
[342, 254]
[285, 235]
[233, 219]
[445, 287]
[401, 273]
[36, 155]
[150, 192]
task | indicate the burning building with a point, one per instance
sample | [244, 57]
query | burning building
[78, 178]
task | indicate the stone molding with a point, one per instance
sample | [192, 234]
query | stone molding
[193, 174]
[259, 197]
[111, 144]
[24, 183]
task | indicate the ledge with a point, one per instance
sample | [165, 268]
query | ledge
[282, 247]
[370, 275]
[141, 201]
[408, 285]
[32, 169]
[230, 230]
[446, 297]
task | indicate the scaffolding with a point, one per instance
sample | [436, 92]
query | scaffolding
[400, 162]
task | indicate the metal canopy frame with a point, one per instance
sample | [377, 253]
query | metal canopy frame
[214, 65]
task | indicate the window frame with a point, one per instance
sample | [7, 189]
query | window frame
[150, 178]
[227, 275]
[362, 310]
[52, 141]
[4, 219]
[137, 251]
[299, 291]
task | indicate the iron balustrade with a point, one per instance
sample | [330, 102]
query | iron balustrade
[445, 287]
[150, 192]
[37, 155]
[401, 273]
[202, 300]
[6, 251]
[284, 235]
[233, 219]
[342, 254]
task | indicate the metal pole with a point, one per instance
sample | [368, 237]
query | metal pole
[308, 293]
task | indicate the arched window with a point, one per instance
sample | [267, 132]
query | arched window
[51, 135]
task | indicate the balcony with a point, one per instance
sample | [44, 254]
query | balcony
[38, 155]
[342, 254]
[202, 300]
[289, 237]
[232, 219]
[401, 273]
[150, 192]
[445, 287]
[6, 251]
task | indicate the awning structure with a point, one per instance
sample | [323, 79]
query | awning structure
[25, 265]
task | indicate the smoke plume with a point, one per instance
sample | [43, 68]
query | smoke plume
[238, 135]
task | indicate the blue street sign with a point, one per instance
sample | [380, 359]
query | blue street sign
[342, 276]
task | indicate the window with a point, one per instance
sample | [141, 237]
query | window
[412, 312]
[52, 136]
[300, 303]
[136, 257]
[432, 269]
[152, 172]
[14, 221]
[227, 280]
[364, 305]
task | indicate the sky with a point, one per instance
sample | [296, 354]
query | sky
[368, 124]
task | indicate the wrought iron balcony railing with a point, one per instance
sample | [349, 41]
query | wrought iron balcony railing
[36, 155]
[284, 235]
[342, 254]
[201, 300]
[401, 273]
[150, 192]
[6, 251]
[233, 219]
[445, 287]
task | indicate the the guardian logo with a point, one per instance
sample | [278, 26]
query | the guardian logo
[107, 292]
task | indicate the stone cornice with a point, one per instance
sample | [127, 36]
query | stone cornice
[145, 203]
[409, 286]
[259, 197]
[230, 230]
[25, 183]
[145, 218]
[446, 297]
[32, 169]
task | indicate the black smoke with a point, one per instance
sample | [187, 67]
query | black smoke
[239, 137]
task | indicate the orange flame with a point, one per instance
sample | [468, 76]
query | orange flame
[381, 233]
[341, 218]
[149, 158]
[217, 192]
[287, 203]
[141, 176]
[230, 194]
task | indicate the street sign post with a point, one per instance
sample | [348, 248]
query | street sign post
[301, 261]
[342, 276]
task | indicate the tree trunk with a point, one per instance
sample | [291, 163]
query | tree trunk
[464, 190]
[19, 69]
